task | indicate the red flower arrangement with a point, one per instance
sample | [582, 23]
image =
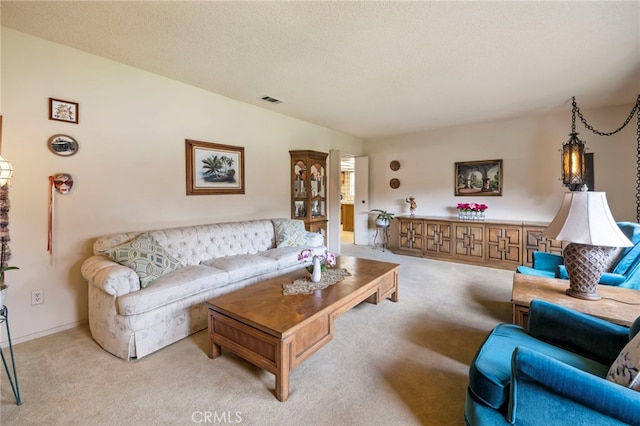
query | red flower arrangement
[472, 207]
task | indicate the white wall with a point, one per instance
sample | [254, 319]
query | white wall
[529, 148]
[129, 171]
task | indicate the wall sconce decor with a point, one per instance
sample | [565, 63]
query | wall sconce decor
[62, 184]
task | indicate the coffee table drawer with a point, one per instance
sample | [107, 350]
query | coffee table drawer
[255, 346]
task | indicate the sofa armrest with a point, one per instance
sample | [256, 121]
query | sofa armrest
[584, 334]
[110, 276]
[561, 272]
[546, 261]
[609, 278]
[544, 390]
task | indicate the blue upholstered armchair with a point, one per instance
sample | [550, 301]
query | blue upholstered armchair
[623, 271]
[553, 374]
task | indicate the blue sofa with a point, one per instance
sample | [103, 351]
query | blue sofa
[624, 270]
[553, 374]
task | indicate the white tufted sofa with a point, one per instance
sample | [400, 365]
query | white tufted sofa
[131, 322]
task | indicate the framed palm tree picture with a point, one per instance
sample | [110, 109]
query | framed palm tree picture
[214, 168]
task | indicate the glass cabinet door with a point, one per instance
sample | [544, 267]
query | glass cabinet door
[317, 180]
[309, 189]
[299, 187]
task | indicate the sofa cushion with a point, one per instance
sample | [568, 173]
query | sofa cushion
[285, 256]
[195, 244]
[490, 371]
[290, 233]
[626, 368]
[171, 287]
[145, 256]
[243, 266]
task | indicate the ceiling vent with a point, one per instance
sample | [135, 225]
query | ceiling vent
[271, 100]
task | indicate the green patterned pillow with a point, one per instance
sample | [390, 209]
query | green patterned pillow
[290, 233]
[146, 256]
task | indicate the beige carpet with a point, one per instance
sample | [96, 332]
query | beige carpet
[400, 363]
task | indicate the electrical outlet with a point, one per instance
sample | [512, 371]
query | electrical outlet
[37, 297]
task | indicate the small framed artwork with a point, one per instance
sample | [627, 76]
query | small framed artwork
[63, 110]
[214, 168]
[63, 145]
[478, 178]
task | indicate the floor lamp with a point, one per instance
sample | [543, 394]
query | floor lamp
[585, 221]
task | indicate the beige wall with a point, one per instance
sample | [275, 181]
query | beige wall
[130, 169]
[529, 148]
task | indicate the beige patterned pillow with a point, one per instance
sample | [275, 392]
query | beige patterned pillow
[290, 233]
[145, 256]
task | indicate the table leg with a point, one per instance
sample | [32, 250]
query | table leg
[282, 370]
[4, 317]
[215, 351]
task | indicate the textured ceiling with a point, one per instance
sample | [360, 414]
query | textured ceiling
[369, 69]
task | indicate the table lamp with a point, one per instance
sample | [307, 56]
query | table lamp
[585, 221]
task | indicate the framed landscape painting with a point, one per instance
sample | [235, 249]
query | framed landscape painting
[214, 168]
[478, 178]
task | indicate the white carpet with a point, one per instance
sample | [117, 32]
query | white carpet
[402, 363]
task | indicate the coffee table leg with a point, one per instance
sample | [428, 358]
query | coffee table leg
[282, 385]
[394, 296]
[215, 351]
[282, 370]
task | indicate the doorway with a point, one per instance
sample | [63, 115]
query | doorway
[347, 197]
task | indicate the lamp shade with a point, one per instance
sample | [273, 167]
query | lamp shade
[584, 218]
[6, 171]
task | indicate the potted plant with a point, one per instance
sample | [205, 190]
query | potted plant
[384, 218]
[3, 268]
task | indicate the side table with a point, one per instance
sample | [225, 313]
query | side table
[13, 381]
[384, 236]
[618, 305]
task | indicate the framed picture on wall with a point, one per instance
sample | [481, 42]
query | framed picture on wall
[60, 110]
[214, 168]
[478, 178]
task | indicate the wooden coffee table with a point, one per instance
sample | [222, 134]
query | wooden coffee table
[618, 305]
[277, 332]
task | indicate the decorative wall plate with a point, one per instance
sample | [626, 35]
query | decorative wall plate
[394, 183]
[63, 145]
[395, 165]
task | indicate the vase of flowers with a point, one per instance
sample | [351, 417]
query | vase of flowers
[471, 211]
[319, 262]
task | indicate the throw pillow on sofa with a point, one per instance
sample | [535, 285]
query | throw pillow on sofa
[625, 368]
[145, 256]
[290, 233]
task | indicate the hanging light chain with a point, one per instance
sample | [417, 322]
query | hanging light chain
[598, 132]
[635, 110]
[638, 168]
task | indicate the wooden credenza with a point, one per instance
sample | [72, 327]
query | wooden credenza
[498, 244]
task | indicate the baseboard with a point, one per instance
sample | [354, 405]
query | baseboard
[14, 341]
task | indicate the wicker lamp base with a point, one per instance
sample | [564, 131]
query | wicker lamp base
[585, 265]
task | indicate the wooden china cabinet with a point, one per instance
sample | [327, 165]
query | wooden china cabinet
[309, 189]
